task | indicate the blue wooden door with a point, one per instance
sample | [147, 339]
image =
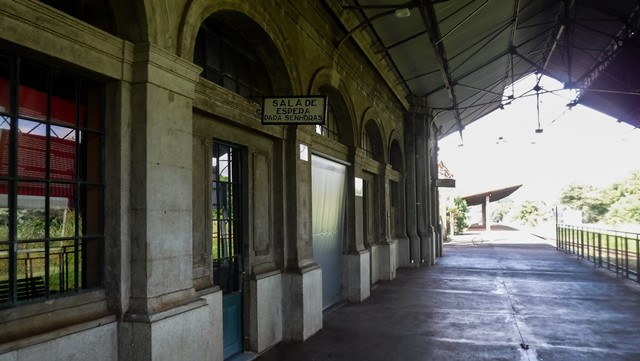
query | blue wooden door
[232, 324]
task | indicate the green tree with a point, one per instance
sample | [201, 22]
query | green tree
[625, 201]
[502, 208]
[615, 204]
[625, 210]
[593, 203]
[460, 210]
[529, 213]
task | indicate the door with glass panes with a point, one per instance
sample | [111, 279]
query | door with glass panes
[227, 200]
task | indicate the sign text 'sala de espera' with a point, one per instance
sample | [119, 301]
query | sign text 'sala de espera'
[294, 110]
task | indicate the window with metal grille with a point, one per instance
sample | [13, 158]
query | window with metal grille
[51, 182]
[228, 60]
[330, 129]
[227, 216]
[367, 146]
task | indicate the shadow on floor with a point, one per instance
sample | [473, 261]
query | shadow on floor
[511, 298]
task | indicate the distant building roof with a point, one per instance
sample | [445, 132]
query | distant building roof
[494, 195]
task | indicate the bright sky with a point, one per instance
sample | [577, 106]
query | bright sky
[577, 145]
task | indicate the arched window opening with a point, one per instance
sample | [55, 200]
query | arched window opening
[372, 141]
[395, 156]
[367, 146]
[94, 12]
[228, 60]
[330, 129]
[339, 125]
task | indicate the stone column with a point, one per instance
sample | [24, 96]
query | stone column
[486, 213]
[356, 276]
[161, 287]
[432, 190]
[389, 245]
[422, 188]
[440, 220]
[355, 205]
[302, 280]
[416, 114]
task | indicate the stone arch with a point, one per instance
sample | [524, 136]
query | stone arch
[396, 157]
[131, 19]
[121, 18]
[265, 35]
[326, 81]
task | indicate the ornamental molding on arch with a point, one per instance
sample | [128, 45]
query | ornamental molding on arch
[396, 136]
[327, 78]
[198, 11]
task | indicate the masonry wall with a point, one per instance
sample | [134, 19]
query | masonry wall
[159, 299]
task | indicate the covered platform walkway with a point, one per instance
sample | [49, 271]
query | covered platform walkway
[513, 297]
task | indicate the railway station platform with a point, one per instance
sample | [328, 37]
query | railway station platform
[511, 297]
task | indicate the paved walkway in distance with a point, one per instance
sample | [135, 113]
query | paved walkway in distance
[511, 298]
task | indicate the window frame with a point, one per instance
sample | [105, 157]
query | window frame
[220, 52]
[367, 144]
[227, 262]
[330, 129]
[91, 225]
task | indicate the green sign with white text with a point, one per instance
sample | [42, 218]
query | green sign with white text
[294, 110]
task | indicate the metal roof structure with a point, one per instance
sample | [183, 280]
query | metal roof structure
[462, 54]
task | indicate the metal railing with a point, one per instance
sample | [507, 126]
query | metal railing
[29, 282]
[615, 250]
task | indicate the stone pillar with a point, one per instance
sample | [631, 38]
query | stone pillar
[161, 287]
[422, 188]
[432, 190]
[117, 196]
[441, 212]
[412, 250]
[357, 261]
[389, 246]
[416, 151]
[302, 280]
[486, 213]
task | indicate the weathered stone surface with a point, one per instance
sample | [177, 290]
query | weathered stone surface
[266, 311]
[357, 277]
[157, 250]
[302, 303]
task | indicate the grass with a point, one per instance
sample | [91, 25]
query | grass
[31, 247]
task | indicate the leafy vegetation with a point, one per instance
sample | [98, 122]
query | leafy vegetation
[459, 210]
[30, 231]
[616, 204]
[530, 213]
[500, 211]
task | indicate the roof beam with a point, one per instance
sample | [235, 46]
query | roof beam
[562, 20]
[430, 20]
[472, 71]
[608, 55]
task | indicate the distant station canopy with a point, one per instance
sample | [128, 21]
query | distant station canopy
[485, 198]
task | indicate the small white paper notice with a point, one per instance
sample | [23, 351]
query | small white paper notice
[304, 152]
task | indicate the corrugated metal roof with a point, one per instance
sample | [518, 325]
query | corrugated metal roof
[461, 54]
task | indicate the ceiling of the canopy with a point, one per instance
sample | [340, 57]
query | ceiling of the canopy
[461, 54]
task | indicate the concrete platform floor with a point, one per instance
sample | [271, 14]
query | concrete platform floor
[510, 298]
